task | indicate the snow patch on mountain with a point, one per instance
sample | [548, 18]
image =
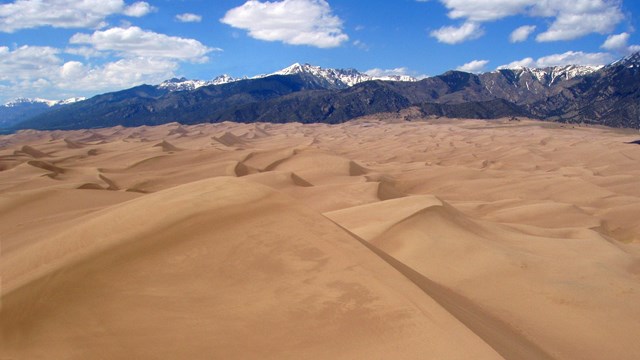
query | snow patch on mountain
[49, 103]
[337, 78]
[344, 77]
[184, 84]
[553, 74]
[630, 61]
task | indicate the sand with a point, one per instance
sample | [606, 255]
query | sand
[438, 239]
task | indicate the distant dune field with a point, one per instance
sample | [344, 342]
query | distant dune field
[439, 239]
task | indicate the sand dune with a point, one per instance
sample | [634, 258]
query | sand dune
[229, 139]
[167, 146]
[439, 239]
[200, 278]
[30, 151]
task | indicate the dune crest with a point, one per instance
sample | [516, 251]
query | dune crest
[167, 146]
[319, 282]
[229, 139]
[30, 151]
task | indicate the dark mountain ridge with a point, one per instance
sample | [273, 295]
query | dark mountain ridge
[608, 95]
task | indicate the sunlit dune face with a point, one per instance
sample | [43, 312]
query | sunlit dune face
[377, 238]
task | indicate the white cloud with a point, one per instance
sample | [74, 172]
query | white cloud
[474, 66]
[455, 35]
[361, 45]
[138, 9]
[188, 17]
[528, 62]
[576, 58]
[144, 57]
[295, 22]
[121, 57]
[120, 74]
[574, 19]
[25, 14]
[484, 10]
[72, 70]
[377, 72]
[616, 42]
[134, 41]
[27, 62]
[570, 19]
[85, 51]
[399, 71]
[522, 33]
[40, 71]
[567, 58]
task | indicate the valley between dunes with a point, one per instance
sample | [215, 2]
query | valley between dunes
[439, 239]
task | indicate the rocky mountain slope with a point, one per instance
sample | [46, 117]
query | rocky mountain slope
[304, 93]
[610, 96]
[328, 78]
[23, 108]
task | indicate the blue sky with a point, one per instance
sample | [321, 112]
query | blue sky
[57, 49]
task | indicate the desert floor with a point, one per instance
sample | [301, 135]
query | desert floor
[440, 239]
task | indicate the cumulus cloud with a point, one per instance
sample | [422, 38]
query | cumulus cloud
[455, 35]
[616, 42]
[138, 9]
[119, 74]
[570, 19]
[484, 10]
[295, 22]
[567, 58]
[474, 66]
[619, 44]
[133, 41]
[141, 57]
[633, 49]
[27, 70]
[25, 14]
[188, 17]
[574, 20]
[85, 51]
[40, 71]
[522, 33]
[28, 63]
[527, 62]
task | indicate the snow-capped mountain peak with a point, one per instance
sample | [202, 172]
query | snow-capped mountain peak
[71, 100]
[630, 61]
[49, 103]
[338, 77]
[552, 74]
[334, 78]
[23, 101]
[184, 84]
[181, 84]
[406, 78]
[223, 79]
[297, 68]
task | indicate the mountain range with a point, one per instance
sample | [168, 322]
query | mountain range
[606, 95]
[328, 78]
[23, 108]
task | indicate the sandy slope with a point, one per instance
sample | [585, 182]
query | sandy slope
[444, 239]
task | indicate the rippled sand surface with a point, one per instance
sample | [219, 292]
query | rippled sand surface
[442, 239]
